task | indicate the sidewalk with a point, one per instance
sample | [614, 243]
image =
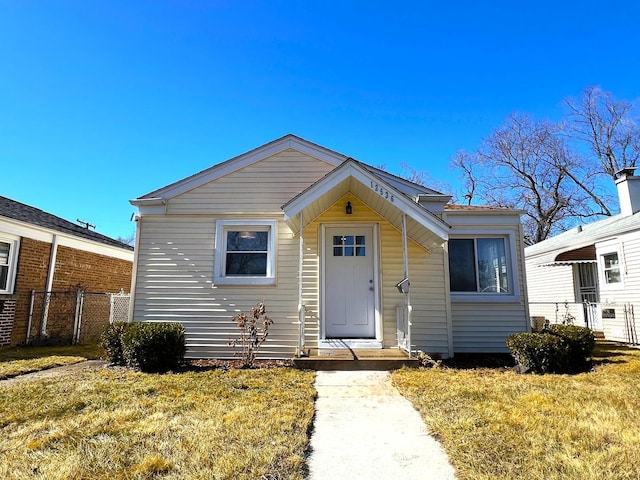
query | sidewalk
[364, 429]
[55, 372]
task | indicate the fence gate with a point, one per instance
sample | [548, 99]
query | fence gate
[73, 316]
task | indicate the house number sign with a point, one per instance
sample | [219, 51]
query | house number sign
[383, 192]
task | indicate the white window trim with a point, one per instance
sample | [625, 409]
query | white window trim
[514, 272]
[14, 243]
[220, 249]
[606, 249]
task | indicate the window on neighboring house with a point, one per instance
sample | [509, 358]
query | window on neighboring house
[245, 252]
[611, 268]
[479, 265]
[8, 260]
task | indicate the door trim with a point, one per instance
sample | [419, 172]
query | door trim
[376, 342]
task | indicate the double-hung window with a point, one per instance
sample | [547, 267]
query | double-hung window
[611, 268]
[245, 252]
[610, 264]
[479, 265]
[8, 261]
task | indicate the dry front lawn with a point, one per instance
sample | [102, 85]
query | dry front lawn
[496, 424]
[20, 360]
[119, 424]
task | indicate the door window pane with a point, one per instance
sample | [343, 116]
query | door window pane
[343, 246]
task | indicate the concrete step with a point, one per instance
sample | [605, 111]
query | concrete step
[360, 359]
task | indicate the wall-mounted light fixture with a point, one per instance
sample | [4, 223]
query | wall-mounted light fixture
[348, 208]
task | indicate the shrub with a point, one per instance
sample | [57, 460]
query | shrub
[254, 330]
[539, 352]
[154, 347]
[111, 342]
[580, 341]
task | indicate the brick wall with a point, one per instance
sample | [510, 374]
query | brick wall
[7, 312]
[33, 263]
[94, 272]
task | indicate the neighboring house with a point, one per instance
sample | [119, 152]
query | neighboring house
[342, 253]
[590, 275]
[40, 252]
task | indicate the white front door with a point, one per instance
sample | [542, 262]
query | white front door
[349, 283]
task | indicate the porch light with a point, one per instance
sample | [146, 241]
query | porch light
[348, 209]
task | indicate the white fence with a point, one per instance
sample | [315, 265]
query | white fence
[616, 321]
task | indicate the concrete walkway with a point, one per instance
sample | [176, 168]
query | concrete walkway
[364, 429]
[55, 372]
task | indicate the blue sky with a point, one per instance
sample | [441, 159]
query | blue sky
[104, 101]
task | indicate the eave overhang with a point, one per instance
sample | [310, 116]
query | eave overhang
[423, 227]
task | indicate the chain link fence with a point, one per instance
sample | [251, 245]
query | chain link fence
[74, 316]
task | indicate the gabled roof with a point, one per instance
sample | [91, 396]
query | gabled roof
[34, 216]
[549, 250]
[290, 141]
[424, 227]
[241, 161]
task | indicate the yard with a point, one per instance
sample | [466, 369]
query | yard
[494, 424]
[117, 424]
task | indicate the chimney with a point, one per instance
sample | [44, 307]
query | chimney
[628, 191]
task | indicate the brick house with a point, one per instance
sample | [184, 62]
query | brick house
[40, 252]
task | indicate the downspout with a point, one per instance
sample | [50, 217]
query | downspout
[301, 312]
[49, 286]
[407, 298]
[134, 271]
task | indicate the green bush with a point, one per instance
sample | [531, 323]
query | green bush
[539, 352]
[111, 342]
[154, 347]
[581, 343]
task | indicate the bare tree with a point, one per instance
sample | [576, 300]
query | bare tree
[526, 165]
[559, 173]
[608, 127]
[129, 240]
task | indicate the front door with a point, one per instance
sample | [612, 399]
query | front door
[349, 283]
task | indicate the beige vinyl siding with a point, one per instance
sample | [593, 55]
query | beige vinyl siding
[175, 283]
[484, 326]
[262, 187]
[428, 292]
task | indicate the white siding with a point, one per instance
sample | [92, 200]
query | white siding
[624, 327]
[548, 284]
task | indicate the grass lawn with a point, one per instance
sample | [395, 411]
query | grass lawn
[120, 424]
[495, 424]
[19, 360]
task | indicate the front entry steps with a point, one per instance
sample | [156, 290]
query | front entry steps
[355, 359]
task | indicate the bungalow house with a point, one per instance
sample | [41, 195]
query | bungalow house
[590, 275]
[343, 255]
[41, 253]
